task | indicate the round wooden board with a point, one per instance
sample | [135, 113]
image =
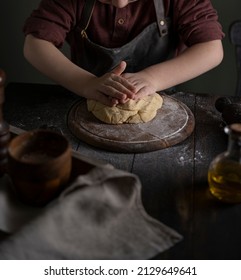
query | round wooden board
[173, 123]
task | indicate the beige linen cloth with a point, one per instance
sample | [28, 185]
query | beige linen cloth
[100, 216]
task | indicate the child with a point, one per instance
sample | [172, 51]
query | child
[123, 49]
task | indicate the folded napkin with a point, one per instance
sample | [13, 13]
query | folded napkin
[100, 216]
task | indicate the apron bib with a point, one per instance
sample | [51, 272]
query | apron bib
[155, 44]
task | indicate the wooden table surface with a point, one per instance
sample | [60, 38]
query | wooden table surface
[174, 180]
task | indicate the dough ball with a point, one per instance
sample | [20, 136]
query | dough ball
[133, 111]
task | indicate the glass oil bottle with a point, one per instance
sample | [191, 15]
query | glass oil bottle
[224, 174]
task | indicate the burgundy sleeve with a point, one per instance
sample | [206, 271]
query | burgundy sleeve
[196, 21]
[52, 20]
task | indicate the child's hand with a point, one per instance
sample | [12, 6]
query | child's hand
[111, 88]
[142, 82]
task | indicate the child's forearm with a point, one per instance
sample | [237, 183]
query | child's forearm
[193, 62]
[45, 57]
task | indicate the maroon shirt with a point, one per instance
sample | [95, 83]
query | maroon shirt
[194, 21]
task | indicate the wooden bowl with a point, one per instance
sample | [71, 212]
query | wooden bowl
[39, 164]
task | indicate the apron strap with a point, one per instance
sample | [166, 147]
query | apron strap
[86, 16]
[160, 16]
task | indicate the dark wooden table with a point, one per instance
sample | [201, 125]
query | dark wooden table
[175, 189]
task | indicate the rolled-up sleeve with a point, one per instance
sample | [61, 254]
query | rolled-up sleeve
[51, 21]
[196, 21]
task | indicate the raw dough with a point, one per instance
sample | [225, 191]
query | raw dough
[140, 111]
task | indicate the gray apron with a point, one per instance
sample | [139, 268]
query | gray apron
[153, 45]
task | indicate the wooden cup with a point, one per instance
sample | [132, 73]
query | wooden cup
[39, 164]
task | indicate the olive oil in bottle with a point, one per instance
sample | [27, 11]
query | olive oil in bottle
[224, 174]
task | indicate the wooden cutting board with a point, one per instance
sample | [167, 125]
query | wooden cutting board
[173, 123]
